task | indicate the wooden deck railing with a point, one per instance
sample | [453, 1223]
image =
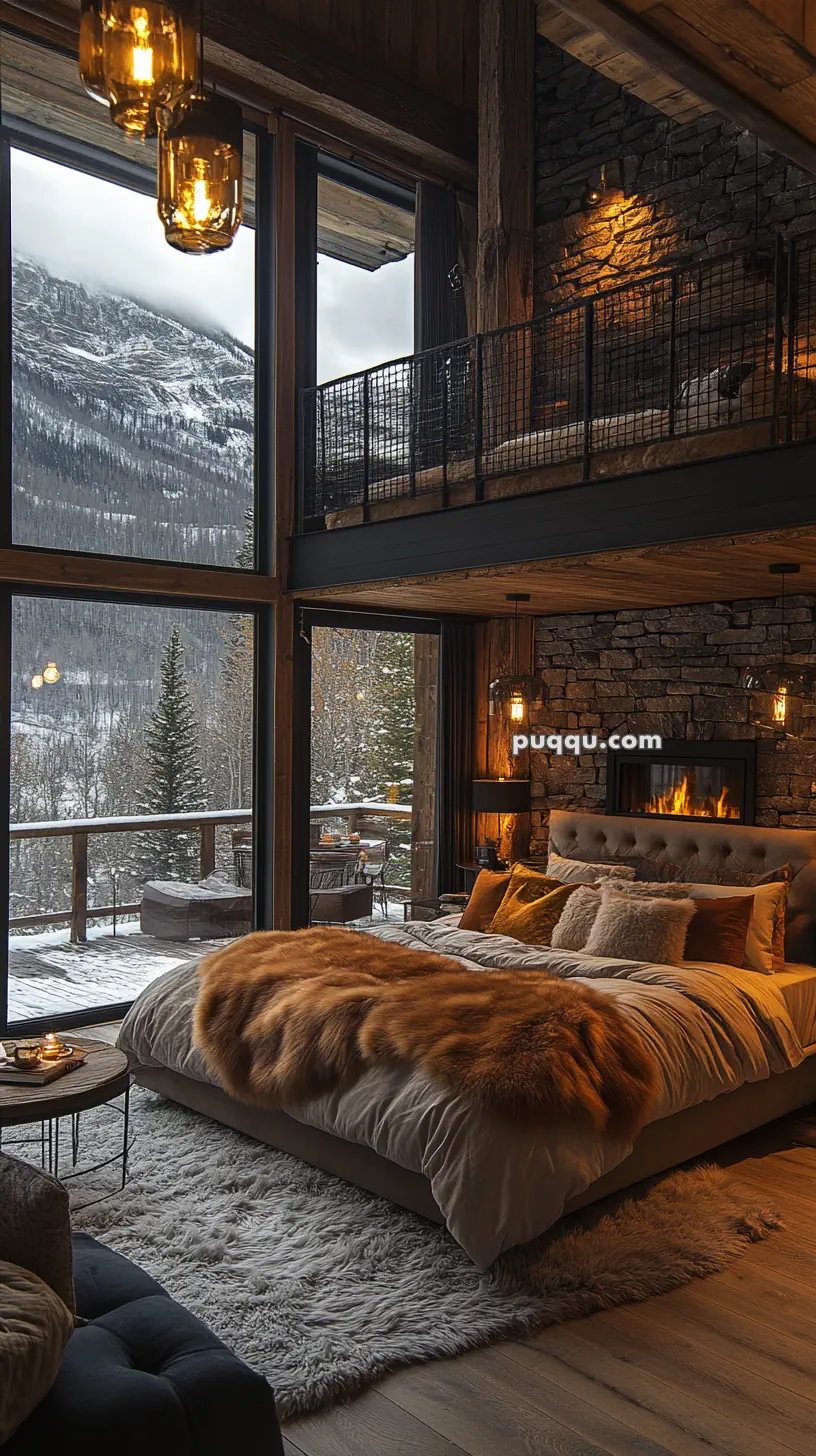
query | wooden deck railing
[206, 823]
[80, 830]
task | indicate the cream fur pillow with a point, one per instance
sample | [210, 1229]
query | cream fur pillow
[577, 919]
[579, 872]
[637, 928]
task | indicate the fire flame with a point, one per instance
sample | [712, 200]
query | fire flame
[680, 800]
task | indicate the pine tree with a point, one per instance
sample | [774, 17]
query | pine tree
[173, 768]
[391, 752]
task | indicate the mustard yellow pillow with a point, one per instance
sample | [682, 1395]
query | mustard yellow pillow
[531, 908]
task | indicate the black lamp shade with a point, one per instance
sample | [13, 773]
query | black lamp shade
[501, 796]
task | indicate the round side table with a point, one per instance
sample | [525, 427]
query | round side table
[103, 1077]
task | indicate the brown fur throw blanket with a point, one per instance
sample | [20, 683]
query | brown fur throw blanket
[284, 1017]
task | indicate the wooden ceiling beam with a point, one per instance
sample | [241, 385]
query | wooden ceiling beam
[632, 27]
[300, 70]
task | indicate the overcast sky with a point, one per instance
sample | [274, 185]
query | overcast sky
[110, 238]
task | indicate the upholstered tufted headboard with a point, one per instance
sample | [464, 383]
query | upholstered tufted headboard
[658, 843]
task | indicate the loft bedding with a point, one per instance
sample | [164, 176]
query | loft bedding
[710, 1028]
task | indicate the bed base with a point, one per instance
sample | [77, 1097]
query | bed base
[661, 1145]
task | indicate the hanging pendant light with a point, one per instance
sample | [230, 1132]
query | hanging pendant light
[201, 170]
[514, 695]
[781, 690]
[138, 58]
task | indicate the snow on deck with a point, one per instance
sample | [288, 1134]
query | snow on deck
[50, 977]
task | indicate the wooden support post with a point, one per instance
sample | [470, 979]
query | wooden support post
[504, 278]
[207, 854]
[79, 887]
[423, 821]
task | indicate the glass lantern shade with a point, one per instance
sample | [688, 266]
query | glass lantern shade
[139, 58]
[779, 694]
[513, 697]
[51, 674]
[201, 175]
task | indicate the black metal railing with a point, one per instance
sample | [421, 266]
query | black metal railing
[694, 349]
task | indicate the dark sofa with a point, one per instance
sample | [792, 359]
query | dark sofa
[141, 1376]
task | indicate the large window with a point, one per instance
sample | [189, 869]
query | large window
[120, 712]
[365, 276]
[373, 772]
[133, 369]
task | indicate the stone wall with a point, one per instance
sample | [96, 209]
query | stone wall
[675, 671]
[673, 190]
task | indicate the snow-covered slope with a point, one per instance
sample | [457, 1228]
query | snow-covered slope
[133, 431]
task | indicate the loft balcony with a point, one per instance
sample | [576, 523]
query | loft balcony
[700, 361]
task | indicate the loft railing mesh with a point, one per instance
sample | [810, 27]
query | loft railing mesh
[703, 347]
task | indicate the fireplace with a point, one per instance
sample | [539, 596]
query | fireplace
[691, 780]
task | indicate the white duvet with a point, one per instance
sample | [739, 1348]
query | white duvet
[711, 1028]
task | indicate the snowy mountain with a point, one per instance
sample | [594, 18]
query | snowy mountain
[133, 431]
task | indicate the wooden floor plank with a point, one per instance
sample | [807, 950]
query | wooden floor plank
[370, 1426]
[601, 1352]
[711, 1367]
[459, 1398]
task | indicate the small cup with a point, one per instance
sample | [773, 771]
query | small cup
[26, 1056]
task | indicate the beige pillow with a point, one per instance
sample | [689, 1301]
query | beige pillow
[35, 1225]
[637, 928]
[577, 919]
[579, 872]
[35, 1327]
[765, 944]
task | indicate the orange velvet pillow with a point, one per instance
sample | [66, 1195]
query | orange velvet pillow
[719, 930]
[485, 899]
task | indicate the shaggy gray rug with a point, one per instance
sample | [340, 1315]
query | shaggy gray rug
[324, 1288]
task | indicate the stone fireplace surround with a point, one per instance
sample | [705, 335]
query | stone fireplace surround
[674, 671]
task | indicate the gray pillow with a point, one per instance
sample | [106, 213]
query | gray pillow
[35, 1225]
[637, 928]
[35, 1327]
[650, 891]
[573, 929]
[582, 872]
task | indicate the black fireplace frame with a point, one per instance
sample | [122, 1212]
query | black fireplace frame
[712, 751]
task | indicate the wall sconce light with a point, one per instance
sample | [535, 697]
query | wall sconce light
[603, 183]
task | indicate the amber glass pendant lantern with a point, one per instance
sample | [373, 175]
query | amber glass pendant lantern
[780, 691]
[201, 174]
[138, 58]
[515, 694]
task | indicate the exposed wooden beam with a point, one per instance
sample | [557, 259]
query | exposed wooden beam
[620, 23]
[260, 51]
[506, 162]
[22, 567]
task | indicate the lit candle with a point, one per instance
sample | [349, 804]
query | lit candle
[51, 1047]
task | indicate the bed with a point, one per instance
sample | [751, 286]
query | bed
[735, 1049]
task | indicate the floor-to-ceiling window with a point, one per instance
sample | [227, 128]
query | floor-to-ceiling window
[372, 816]
[129, 719]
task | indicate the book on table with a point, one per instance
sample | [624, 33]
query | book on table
[40, 1076]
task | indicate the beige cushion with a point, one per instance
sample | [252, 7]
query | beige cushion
[635, 928]
[764, 946]
[578, 872]
[35, 1225]
[35, 1327]
[577, 919]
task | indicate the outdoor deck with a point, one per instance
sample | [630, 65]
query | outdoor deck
[52, 976]
[48, 976]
